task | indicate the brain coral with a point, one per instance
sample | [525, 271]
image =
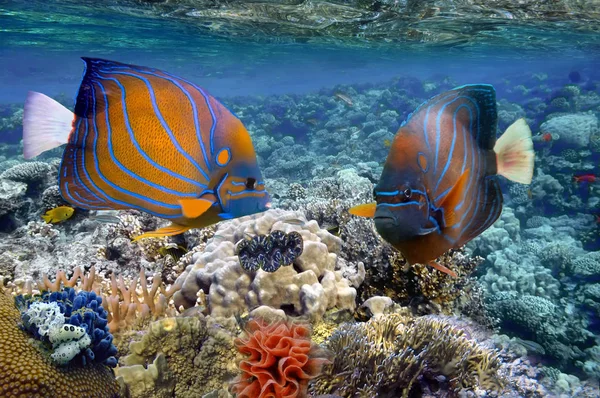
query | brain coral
[26, 372]
[281, 360]
[310, 286]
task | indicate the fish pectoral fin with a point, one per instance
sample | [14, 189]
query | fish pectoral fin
[443, 269]
[364, 210]
[194, 208]
[173, 229]
[453, 198]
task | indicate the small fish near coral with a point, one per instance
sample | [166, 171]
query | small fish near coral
[58, 214]
[585, 178]
[438, 189]
[270, 252]
[141, 138]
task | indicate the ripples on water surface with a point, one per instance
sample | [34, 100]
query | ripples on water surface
[254, 47]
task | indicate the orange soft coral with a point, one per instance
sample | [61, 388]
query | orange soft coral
[281, 360]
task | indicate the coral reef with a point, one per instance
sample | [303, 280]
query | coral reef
[280, 360]
[75, 324]
[311, 286]
[190, 356]
[398, 355]
[27, 371]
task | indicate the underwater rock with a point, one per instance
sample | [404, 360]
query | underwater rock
[573, 130]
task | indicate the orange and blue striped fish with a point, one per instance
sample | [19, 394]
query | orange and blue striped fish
[439, 189]
[141, 138]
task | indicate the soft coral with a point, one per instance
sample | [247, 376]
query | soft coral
[281, 360]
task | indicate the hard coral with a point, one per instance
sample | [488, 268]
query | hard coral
[25, 371]
[398, 355]
[281, 360]
[185, 356]
[420, 286]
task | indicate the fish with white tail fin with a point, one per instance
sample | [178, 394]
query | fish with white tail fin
[141, 138]
[439, 187]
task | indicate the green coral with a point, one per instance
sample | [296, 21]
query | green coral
[199, 357]
[385, 356]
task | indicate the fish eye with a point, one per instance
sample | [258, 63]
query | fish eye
[251, 183]
[407, 193]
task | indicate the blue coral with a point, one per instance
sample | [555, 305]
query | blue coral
[83, 309]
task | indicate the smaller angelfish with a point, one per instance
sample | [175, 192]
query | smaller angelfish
[58, 214]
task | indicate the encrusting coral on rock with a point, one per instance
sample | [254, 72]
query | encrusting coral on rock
[187, 356]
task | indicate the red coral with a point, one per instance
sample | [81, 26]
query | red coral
[281, 360]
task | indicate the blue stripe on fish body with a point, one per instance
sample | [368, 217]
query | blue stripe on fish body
[98, 172]
[451, 152]
[174, 80]
[410, 203]
[137, 145]
[164, 124]
[126, 170]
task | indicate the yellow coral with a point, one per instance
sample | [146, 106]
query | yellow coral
[199, 352]
[26, 372]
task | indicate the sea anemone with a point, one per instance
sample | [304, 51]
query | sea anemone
[280, 361]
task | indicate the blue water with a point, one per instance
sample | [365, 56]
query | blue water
[282, 75]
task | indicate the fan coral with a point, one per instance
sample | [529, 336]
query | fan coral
[393, 355]
[78, 322]
[27, 372]
[281, 361]
[269, 252]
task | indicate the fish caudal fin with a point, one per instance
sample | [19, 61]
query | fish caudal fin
[173, 229]
[47, 218]
[46, 124]
[514, 153]
[364, 210]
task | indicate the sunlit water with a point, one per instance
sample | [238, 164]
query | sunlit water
[293, 47]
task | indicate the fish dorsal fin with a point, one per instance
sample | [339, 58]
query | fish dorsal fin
[194, 208]
[364, 210]
[453, 198]
[100, 86]
[479, 117]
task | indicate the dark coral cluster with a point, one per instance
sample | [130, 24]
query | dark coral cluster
[270, 252]
[82, 309]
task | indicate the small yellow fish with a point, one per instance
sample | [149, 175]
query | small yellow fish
[387, 143]
[58, 214]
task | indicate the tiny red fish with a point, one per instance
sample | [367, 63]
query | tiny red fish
[585, 178]
[547, 137]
